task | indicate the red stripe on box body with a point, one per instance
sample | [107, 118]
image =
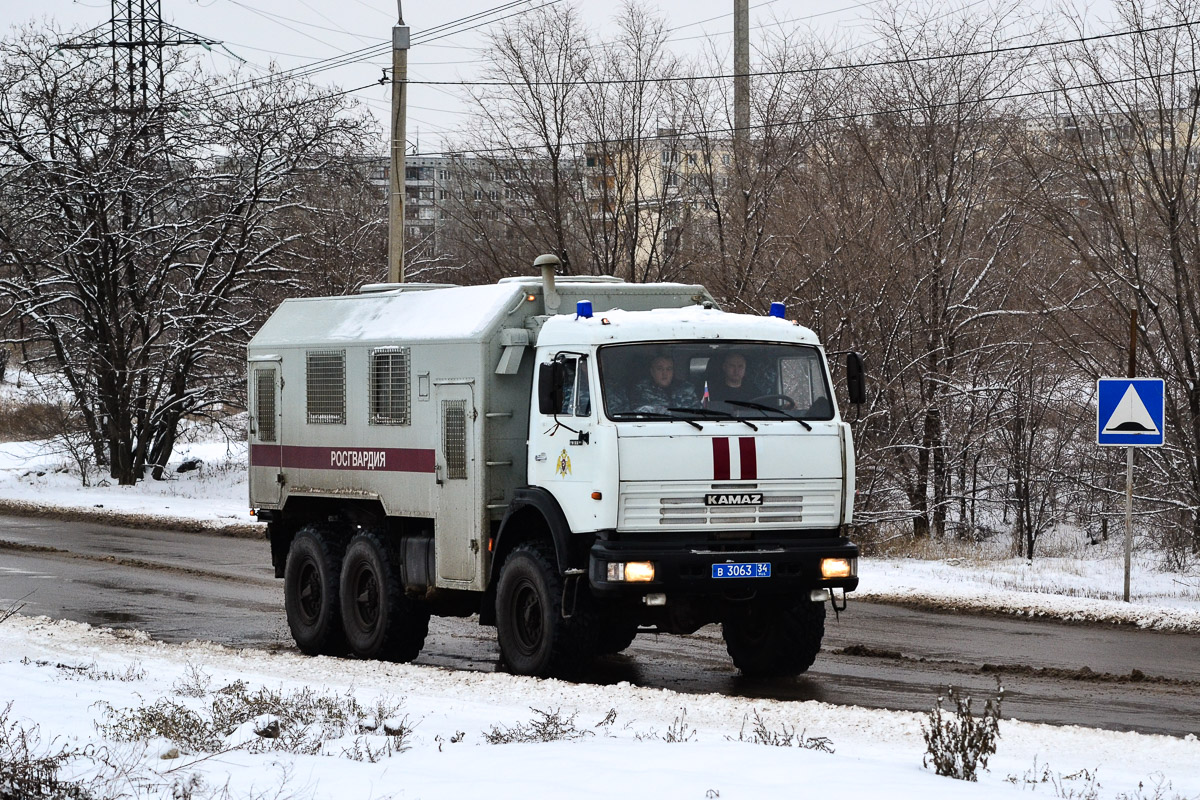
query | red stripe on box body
[371, 459]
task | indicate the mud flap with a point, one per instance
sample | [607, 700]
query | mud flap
[570, 592]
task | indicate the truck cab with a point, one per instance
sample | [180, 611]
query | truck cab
[701, 457]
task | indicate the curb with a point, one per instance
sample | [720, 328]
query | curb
[128, 519]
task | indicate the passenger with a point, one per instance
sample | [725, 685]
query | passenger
[659, 390]
[730, 381]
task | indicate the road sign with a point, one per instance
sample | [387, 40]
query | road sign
[1130, 412]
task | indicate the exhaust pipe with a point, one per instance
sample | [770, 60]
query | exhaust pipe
[551, 299]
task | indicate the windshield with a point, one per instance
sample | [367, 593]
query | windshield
[749, 380]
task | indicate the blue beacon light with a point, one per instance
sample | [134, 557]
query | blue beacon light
[583, 309]
[777, 310]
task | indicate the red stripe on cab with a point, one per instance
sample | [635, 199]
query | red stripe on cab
[749, 458]
[720, 446]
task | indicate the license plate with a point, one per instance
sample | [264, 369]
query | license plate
[759, 570]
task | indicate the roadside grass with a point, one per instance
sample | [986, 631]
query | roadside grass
[198, 720]
[1085, 785]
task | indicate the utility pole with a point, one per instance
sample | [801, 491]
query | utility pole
[399, 104]
[741, 72]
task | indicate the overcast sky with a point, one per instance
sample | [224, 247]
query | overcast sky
[296, 32]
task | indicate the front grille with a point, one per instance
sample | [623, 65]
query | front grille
[789, 504]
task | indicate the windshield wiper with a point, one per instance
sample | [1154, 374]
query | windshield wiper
[656, 415]
[761, 407]
[713, 413]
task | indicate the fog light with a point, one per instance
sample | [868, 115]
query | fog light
[640, 571]
[836, 568]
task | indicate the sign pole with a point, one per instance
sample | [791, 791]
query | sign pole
[1129, 459]
[1128, 516]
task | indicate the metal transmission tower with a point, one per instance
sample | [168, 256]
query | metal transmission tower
[137, 37]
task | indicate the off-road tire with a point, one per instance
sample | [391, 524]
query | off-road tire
[310, 592]
[380, 622]
[766, 642]
[534, 637]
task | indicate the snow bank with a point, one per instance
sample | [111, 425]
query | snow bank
[58, 675]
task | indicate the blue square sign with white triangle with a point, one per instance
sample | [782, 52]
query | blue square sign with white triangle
[1130, 412]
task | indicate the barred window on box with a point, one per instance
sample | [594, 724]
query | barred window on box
[264, 398]
[390, 386]
[326, 386]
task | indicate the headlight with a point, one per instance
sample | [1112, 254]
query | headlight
[837, 568]
[634, 571]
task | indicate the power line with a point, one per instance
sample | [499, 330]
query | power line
[441, 31]
[417, 39]
[276, 18]
[812, 70]
[473, 17]
[306, 102]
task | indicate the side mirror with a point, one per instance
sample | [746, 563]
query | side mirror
[855, 383]
[550, 387]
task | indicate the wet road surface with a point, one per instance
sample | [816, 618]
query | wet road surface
[183, 586]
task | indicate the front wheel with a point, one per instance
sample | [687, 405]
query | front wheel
[379, 620]
[765, 641]
[532, 632]
[310, 593]
[613, 636]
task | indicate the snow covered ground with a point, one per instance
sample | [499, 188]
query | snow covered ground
[73, 686]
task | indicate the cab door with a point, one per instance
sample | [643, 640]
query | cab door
[570, 452]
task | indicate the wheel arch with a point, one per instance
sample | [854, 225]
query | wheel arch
[533, 515]
[301, 510]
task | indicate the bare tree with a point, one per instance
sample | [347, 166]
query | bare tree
[1121, 189]
[525, 170]
[132, 246]
[926, 214]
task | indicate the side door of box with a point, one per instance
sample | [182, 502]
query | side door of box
[266, 431]
[458, 526]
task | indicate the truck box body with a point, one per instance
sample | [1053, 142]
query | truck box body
[456, 450]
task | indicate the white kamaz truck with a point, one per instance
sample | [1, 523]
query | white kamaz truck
[574, 461]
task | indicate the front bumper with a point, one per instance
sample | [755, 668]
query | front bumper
[686, 567]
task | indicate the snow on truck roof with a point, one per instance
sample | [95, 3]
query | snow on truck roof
[690, 322]
[468, 313]
[456, 314]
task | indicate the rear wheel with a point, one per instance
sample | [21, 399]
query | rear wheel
[310, 592]
[534, 637]
[379, 620]
[766, 641]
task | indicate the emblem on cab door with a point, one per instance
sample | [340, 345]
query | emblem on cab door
[563, 465]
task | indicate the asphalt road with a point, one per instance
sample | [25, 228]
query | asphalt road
[183, 586]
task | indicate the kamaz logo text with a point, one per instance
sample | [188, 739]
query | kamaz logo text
[747, 499]
[358, 459]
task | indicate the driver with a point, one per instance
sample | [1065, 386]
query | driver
[659, 390]
[731, 381]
